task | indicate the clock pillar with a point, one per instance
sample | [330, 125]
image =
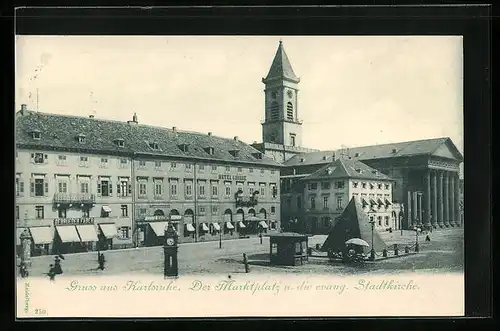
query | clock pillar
[170, 249]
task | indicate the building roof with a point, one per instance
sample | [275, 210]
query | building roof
[281, 67]
[363, 153]
[352, 223]
[346, 168]
[100, 136]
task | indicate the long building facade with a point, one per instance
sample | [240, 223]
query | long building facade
[84, 183]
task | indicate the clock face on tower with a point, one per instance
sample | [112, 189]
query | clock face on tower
[290, 94]
[170, 241]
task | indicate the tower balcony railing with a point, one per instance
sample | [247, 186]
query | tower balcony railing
[78, 198]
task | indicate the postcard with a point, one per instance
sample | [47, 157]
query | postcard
[239, 176]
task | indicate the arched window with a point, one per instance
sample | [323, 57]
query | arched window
[159, 212]
[274, 110]
[289, 111]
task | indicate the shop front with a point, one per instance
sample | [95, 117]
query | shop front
[107, 232]
[41, 237]
[74, 235]
[155, 230]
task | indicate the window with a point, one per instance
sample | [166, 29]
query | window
[339, 203]
[62, 187]
[379, 219]
[289, 202]
[123, 163]
[84, 161]
[38, 158]
[17, 212]
[299, 202]
[262, 171]
[273, 171]
[240, 169]
[173, 189]
[289, 112]
[201, 210]
[215, 191]
[274, 110]
[84, 187]
[250, 170]
[215, 210]
[158, 188]
[61, 160]
[371, 186]
[273, 210]
[143, 189]
[39, 187]
[81, 138]
[325, 202]
[214, 168]
[142, 163]
[228, 169]
[292, 139]
[189, 188]
[124, 232]
[61, 213]
[325, 185]
[36, 135]
[86, 211]
[201, 190]
[104, 162]
[262, 192]
[313, 186]
[313, 203]
[386, 186]
[19, 187]
[39, 212]
[104, 188]
[387, 221]
[154, 146]
[201, 167]
[120, 142]
[326, 222]
[228, 190]
[173, 165]
[123, 188]
[379, 186]
[355, 184]
[142, 211]
[124, 209]
[339, 184]
[363, 185]
[251, 189]
[188, 167]
[157, 164]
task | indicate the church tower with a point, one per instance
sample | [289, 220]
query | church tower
[281, 124]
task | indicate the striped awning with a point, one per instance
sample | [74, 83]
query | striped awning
[363, 201]
[159, 228]
[387, 202]
[190, 227]
[108, 230]
[380, 202]
[204, 227]
[87, 232]
[41, 235]
[263, 224]
[241, 225]
[216, 226]
[229, 225]
[107, 209]
[68, 234]
[372, 202]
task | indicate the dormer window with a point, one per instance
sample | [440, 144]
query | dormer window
[209, 150]
[119, 142]
[302, 159]
[35, 134]
[154, 146]
[184, 147]
[80, 138]
[234, 152]
[356, 155]
[257, 155]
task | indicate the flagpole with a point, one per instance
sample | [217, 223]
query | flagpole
[37, 108]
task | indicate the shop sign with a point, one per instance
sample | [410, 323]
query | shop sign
[73, 221]
[233, 177]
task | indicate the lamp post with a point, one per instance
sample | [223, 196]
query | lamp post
[417, 230]
[220, 238]
[372, 252]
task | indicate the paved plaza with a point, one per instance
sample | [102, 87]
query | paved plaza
[444, 253]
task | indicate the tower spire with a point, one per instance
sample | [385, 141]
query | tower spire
[281, 67]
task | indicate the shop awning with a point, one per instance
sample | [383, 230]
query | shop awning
[158, 228]
[204, 226]
[263, 224]
[372, 202]
[68, 234]
[19, 231]
[108, 230]
[229, 225]
[363, 201]
[387, 202]
[241, 225]
[42, 235]
[175, 217]
[107, 209]
[87, 232]
[190, 227]
[253, 218]
[216, 226]
[380, 203]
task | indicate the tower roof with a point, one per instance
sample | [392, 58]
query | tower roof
[281, 67]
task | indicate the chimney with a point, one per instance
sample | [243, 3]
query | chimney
[134, 119]
[394, 151]
[235, 138]
[91, 116]
[210, 133]
[334, 158]
[24, 108]
[174, 128]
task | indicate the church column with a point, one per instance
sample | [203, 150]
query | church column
[458, 220]
[415, 209]
[420, 209]
[446, 199]
[440, 199]
[434, 213]
[451, 199]
[428, 198]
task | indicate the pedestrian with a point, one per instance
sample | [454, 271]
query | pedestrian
[101, 261]
[23, 269]
[427, 238]
[57, 266]
[51, 273]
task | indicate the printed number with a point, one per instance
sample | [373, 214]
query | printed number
[39, 311]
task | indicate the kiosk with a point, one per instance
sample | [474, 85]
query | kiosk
[288, 248]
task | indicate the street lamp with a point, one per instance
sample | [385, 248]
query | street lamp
[220, 237]
[417, 230]
[372, 252]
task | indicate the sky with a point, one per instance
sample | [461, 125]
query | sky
[354, 90]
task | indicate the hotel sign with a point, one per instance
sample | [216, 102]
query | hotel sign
[73, 221]
[233, 177]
